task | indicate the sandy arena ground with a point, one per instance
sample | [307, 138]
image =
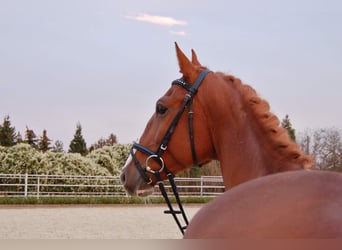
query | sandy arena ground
[90, 222]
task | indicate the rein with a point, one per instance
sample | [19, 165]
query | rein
[157, 156]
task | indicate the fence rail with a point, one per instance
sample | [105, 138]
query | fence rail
[26, 185]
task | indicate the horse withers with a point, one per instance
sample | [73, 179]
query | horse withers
[208, 115]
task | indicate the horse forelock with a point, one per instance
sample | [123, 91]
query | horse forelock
[269, 124]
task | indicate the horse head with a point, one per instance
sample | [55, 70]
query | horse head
[171, 142]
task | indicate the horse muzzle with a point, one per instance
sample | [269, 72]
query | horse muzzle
[134, 184]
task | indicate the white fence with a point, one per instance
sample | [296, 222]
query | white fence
[26, 185]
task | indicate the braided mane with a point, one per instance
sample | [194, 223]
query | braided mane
[269, 125]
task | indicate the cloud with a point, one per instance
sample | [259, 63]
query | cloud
[177, 33]
[159, 20]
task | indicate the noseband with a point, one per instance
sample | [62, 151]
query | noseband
[157, 155]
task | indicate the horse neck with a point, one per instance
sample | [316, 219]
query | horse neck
[240, 142]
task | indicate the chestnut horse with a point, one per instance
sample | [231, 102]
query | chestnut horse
[228, 121]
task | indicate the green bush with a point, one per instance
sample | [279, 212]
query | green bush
[22, 158]
[111, 158]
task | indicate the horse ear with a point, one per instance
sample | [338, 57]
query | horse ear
[195, 59]
[185, 66]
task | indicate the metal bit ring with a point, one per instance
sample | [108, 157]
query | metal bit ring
[149, 169]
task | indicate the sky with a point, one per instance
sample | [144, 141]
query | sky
[105, 63]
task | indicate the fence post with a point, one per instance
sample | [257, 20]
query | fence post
[201, 190]
[26, 183]
[38, 186]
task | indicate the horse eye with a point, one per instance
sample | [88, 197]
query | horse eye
[160, 109]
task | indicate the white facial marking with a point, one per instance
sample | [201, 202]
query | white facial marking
[129, 159]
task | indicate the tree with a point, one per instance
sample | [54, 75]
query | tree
[327, 149]
[7, 133]
[325, 145]
[44, 142]
[30, 137]
[57, 147]
[78, 144]
[286, 123]
[19, 138]
[110, 141]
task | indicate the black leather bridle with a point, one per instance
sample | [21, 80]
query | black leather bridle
[157, 155]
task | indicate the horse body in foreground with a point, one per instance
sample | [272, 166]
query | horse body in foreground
[232, 124]
[295, 204]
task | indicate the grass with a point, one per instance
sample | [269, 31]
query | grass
[97, 200]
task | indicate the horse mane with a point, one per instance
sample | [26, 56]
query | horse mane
[269, 124]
